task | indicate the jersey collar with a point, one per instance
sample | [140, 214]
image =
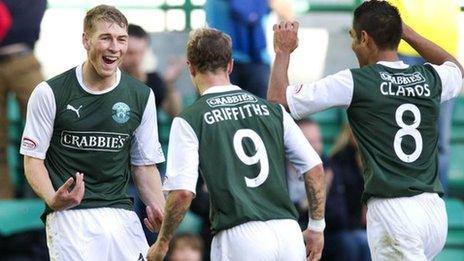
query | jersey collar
[87, 89]
[395, 64]
[221, 88]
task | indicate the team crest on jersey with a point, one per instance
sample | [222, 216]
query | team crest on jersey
[121, 112]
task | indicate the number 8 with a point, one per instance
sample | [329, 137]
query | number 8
[410, 130]
[260, 156]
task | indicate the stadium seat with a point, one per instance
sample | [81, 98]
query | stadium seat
[456, 171]
[191, 223]
[455, 239]
[450, 254]
[328, 116]
[14, 136]
[330, 122]
[20, 215]
[455, 210]
[458, 112]
[457, 133]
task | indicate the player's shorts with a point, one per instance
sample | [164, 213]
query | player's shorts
[407, 228]
[98, 234]
[260, 240]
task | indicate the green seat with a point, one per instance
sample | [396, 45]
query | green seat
[329, 132]
[457, 133]
[15, 128]
[20, 215]
[330, 122]
[450, 254]
[455, 239]
[191, 223]
[458, 111]
[334, 115]
[456, 171]
[455, 211]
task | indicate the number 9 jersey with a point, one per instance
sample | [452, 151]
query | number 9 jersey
[393, 111]
[239, 144]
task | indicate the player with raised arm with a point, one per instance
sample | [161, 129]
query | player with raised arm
[393, 111]
[239, 142]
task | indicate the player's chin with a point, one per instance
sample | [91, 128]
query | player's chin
[107, 71]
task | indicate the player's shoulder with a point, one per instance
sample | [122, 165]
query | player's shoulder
[63, 78]
[133, 83]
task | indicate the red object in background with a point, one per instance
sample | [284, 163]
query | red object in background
[5, 20]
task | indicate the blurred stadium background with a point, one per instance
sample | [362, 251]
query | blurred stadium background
[169, 22]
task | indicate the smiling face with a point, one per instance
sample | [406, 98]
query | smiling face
[106, 44]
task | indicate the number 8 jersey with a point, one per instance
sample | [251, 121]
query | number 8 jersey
[239, 144]
[393, 111]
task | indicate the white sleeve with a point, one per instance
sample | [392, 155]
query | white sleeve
[331, 91]
[183, 159]
[145, 147]
[41, 110]
[297, 148]
[451, 80]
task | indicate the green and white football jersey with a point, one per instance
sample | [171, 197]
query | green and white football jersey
[238, 143]
[100, 134]
[393, 111]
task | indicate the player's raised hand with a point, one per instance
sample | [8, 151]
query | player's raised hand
[154, 218]
[285, 36]
[65, 197]
[158, 251]
[314, 244]
[174, 69]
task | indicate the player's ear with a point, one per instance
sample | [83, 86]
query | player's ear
[364, 38]
[230, 66]
[191, 69]
[86, 41]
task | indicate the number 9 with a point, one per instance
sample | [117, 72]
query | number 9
[260, 156]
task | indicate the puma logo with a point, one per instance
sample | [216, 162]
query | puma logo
[70, 107]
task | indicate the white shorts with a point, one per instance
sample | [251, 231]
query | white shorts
[407, 228]
[100, 234]
[260, 240]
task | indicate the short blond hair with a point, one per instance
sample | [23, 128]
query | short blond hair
[104, 13]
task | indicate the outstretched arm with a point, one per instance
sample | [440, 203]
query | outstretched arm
[177, 204]
[285, 42]
[428, 50]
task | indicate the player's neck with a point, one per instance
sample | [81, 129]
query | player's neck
[208, 80]
[93, 80]
[386, 55]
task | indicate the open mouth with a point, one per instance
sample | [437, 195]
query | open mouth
[109, 59]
